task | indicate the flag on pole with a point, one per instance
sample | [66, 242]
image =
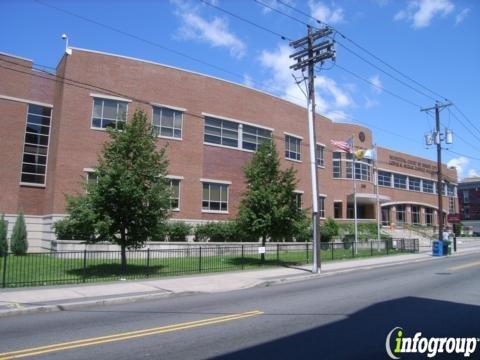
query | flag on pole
[346, 146]
[365, 154]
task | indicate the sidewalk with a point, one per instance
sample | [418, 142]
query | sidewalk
[59, 298]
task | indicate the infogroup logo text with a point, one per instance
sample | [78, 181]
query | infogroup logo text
[431, 346]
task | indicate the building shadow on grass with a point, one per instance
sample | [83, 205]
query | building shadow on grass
[113, 270]
[362, 335]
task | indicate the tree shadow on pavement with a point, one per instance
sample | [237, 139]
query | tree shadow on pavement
[114, 270]
[362, 335]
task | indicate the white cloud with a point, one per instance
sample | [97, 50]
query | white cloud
[331, 98]
[377, 86]
[326, 14]
[248, 81]
[461, 164]
[421, 12]
[473, 173]
[370, 103]
[461, 16]
[214, 32]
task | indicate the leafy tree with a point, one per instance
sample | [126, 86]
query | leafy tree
[131, 197]
[268, 208]
[3, 236]
[328, 230]
[19, 241]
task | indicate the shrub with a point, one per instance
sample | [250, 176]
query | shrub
[178, 231]
[348, 239]
[3, 236]
[19, 241]
[328, 230]
[228, 231]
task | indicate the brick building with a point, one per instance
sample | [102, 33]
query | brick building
[54, 127]
[469, 202]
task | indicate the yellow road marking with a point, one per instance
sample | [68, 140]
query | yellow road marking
[464, 266]
[125, 336]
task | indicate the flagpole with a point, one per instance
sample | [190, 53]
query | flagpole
[375, 167]
[354, 194]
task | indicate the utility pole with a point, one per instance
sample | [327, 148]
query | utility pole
[436, 136]
[309, 54]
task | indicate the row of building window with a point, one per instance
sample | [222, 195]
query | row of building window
[399, 181]
[168, 123]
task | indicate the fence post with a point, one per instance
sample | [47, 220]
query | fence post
[4, 280]
[148, 261]
[332, 245]
[371, 248]
[278, 252]
[200, 259]
[306, 247]
[386, 245]
[243, 258]
[84, 265]
[353, 249]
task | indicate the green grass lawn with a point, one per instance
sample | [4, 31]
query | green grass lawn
[47, 269]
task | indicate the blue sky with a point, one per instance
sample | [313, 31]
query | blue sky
[434, 42]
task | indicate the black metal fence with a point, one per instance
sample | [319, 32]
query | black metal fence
[36, 269]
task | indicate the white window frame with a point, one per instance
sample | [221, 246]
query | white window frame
[172, 108]
[322, 159]
[170, 179]
[221, 183]
[111, 98]
[296, 137]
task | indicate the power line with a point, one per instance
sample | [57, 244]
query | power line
[378, 86]
[246, 20]
[363, 49]
[152, 43]
[465, 117]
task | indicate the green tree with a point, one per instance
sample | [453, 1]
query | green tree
[268, 208]
[3, 236]
[328, 230]
[131, 197]
[19, 241]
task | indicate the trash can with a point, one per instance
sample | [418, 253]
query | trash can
[437, 248]
[447, 247]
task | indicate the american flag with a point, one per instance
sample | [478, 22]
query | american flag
[346, 146]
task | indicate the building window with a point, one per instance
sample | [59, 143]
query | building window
[167, 122]
[321, 207]
[253, 137]
[362, 171]
[466, 196]
[385, 178]
[337, 165]
[415, 214]
[428, 216]
[451, 190]
[337, 210]
[109, 114]
[320, 155]
[292, 147]
[221, 132]
[175, 195]
[414, 184]
[466, 212]
[35, 149]
[399, 181]
[298, 200]
[427, 186]
[400, 214]
[215, 197]
[451, 205]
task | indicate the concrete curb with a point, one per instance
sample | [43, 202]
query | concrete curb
[68, 306]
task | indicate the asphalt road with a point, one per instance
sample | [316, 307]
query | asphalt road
[342, 316]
